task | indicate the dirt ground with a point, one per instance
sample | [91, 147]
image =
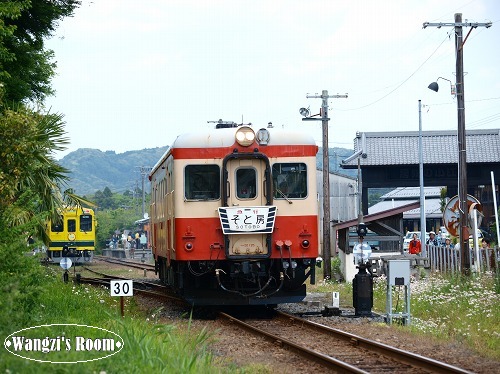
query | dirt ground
[235, 347]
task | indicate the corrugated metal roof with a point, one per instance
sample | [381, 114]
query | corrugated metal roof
[439, 147]
[432, 208]
[377, 216]
[411, 192]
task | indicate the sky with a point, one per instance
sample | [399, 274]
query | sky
[136, 74]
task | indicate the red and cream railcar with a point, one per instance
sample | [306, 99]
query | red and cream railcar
[234, 215]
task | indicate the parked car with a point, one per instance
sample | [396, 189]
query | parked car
[409, 236]
[353, 240]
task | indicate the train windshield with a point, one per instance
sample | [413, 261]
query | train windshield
[202, 182]
[57, 226]
[86, 222]
[71, 225]
[246, 183]
[289, 180]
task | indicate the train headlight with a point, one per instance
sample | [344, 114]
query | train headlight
[245, 136]
[305, 244]
[188, 246]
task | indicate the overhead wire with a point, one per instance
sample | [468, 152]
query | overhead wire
[400, 84]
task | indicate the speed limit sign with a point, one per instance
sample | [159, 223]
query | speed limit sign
[121, 288]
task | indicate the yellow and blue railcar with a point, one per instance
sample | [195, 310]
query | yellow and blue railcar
[73, 235]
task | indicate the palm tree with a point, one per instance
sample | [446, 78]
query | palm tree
[30, 177]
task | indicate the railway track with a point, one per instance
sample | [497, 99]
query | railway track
[331, 348]
[138, 282]
[153, 290]
[132, 264]
[338, 350]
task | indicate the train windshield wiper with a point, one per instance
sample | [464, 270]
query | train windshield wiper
[284, 196]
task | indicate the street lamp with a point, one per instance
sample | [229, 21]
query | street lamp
[434, 86]
[462, 166]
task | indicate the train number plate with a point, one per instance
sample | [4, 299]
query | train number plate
[247, 220]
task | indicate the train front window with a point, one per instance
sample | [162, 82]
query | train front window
[57, 226]
[71, 225]
[202, 182]
[86, 222]
[289, 180]
[246, 183]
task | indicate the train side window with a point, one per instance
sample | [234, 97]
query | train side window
[246, 183]
[202, 182]
[71, 225]
[57, 226]
[289, 180]
[86, 222]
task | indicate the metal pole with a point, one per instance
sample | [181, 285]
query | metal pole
[462, 159]
[493, 190]
[360, 189]
[423, 228]
[144, 171]
[143, 196]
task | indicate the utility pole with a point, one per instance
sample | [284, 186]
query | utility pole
[462, 159]
[144, 171]
[327, 273]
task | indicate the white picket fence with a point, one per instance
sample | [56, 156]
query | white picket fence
[448, 259]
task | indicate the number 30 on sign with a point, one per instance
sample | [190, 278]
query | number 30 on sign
[121, 288]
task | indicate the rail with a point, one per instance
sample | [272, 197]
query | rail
[338, 350]
[132, 264]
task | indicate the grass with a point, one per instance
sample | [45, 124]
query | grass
[465, 309]
[453, 308]
[33, 295]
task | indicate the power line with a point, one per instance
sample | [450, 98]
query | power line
[399, 85]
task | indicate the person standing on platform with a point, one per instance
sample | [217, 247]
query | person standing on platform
[415, 246]
[432, 239]
[137, 240]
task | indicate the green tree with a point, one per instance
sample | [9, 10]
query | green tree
[30, 177]
[443, 193]
[110, 220]
[26, 67]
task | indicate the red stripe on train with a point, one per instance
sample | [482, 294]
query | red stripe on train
[207, 241]
[270, 151]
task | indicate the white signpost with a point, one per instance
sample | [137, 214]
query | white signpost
[65, 263]
[121, 288]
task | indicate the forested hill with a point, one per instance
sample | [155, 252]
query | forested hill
[93, 170]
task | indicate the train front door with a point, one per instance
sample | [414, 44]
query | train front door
[248, 207]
